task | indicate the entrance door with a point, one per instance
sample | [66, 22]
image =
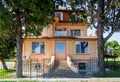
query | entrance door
[60, 50]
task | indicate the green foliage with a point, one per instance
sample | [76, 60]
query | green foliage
[26, 13]
[31, 14]
[7, 43]
[115, 45]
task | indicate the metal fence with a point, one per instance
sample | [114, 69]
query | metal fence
[38, 68]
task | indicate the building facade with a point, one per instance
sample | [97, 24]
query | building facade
[64, 41]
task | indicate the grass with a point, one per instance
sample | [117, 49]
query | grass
[5, 73]
[46, 81]
[112, 73]
[10, 60]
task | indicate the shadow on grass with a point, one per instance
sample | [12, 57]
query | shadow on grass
[7, 73]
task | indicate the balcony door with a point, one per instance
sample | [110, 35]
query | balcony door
[60, 50]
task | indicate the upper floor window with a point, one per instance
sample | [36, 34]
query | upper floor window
[81, 47]
[46, 28]
[75, 33]
[59, 15]
[38, 47]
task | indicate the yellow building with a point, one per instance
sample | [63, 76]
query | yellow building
[64, 41]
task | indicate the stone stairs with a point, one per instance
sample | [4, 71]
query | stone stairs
[61, 69]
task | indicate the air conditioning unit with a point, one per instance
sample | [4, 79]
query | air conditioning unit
[25, 57]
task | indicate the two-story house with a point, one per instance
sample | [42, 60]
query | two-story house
[64, 40]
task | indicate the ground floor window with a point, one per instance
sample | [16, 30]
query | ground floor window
[38, 47]
[81, 66]
[81, 47]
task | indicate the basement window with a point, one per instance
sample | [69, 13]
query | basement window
[81, 66]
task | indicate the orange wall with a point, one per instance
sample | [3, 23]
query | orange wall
[68, 26]
[50, 48]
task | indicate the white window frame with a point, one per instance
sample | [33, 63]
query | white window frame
[80, 47]
[74, 32]
[39, 52]
[61, 17]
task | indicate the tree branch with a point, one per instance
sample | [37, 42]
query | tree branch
[109, 35]
[108, 9]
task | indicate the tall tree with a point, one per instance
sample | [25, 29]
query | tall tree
[104, 15]
[31, 15]
[7, 46]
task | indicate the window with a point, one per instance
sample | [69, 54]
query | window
[46, 28]
[81, 47]
[59, 15]
[81, 65]
[75, 33]
[38, 47]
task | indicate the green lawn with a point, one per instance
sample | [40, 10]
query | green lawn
[113, 73]
[5, 73]
[10, 60]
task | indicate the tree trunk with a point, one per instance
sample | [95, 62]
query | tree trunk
[100, 50]
[100, 36]
[19, 55]
[4, 64]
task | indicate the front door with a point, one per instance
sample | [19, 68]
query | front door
[60, 50]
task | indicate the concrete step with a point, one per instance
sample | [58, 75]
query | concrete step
[61, 69]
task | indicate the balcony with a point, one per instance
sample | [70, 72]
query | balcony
[60, 33]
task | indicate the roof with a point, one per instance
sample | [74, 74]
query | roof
[61, 37]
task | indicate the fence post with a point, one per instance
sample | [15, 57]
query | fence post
[43, 67]
[30, 68]
[37, 68]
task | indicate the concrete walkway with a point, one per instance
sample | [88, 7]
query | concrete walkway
[9, 64]
[66, 79]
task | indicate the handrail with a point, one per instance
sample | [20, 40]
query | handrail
[51, 63]
[71, 65]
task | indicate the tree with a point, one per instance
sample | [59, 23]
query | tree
[7, 46]
[30, 14]
[104, 15]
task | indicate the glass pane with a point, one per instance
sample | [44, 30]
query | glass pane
[71, 33]
[60, 48]
[38, 47]
[77, 47]
[35, 47]
[76, 32]
[84, 47]
[81, 65]
[42, 47]
[58, 15]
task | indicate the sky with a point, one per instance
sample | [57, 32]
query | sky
[115, 36]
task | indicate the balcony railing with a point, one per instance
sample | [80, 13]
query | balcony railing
[60, 33]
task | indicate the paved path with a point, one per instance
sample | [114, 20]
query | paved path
[9, 64]
[65, 80]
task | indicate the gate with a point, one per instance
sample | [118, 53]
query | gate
[35, 68]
